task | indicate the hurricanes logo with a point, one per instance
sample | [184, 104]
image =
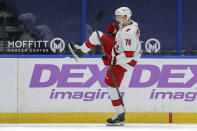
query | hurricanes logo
[57, 44]
[152, 45]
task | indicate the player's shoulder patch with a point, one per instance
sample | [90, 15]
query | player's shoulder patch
[127, 30]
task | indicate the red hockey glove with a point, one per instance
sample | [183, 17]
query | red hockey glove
[113, 29]
[109, 60]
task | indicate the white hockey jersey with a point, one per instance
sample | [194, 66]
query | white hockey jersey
[128, 46]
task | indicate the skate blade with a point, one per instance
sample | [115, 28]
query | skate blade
[115, 124]
[75, 56]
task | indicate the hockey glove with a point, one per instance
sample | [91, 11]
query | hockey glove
[109, 60]
[112, 29]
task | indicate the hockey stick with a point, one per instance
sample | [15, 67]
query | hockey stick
[96, 26]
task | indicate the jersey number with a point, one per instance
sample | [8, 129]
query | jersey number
[128, 41]
[138, 34]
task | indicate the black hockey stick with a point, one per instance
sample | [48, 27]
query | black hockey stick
[96, 27]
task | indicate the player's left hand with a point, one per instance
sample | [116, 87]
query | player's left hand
[109, 60]
[112, 29]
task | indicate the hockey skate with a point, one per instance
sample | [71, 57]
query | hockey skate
[116, 120]
[76, 51]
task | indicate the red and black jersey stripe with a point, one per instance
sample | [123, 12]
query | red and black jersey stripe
[116, 102]
[129, 53]
[89, 45]
[132, 63]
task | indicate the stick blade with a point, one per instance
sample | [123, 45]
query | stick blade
[72, 52]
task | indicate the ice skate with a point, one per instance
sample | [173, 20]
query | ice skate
[75, 50]
[117, 120]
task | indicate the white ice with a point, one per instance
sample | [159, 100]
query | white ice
[91, 127]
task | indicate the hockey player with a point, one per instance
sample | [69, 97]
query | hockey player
[123, 50]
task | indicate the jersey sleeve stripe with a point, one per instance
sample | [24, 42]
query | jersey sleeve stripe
[116, 102]
[89, 45]
[129, 53]
[132, 63]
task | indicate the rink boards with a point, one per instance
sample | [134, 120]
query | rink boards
[60, 90]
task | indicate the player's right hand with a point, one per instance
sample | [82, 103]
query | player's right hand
[109, 60]
[112, 29]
